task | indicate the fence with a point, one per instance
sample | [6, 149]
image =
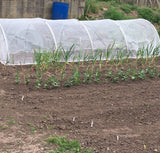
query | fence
[38, 8]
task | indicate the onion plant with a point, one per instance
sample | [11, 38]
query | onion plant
[109, 52]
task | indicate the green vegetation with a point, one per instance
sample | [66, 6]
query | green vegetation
[11, 122]
[117, 65]
[67, 146]
[110, 9]
[114, 14]
[17, 78]
[3, 127]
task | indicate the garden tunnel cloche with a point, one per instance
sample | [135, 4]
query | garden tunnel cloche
[20, 38]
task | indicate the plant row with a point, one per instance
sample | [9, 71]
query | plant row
[55, 69]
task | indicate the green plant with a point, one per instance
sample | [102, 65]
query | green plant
[97, 76]
[120, 73]
[69, 82]
[67, 146]
[17, 78]
[90, 7]
[109, 73]
[141, 74]
[38, 80]
[11, 122]
[29, 124]
[149, 14]
[43, 60]
[67, 54]
[76, 77]
[88, 76]
[3, 127]
[62, 75]
[152, 72]
[33, 128]
[51, 82]
[115, 78]
[27, 80]
[126, 8]
[125, 76]
[158, 74]
[114, 14]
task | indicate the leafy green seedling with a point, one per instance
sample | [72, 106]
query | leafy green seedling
[97, 76]
[17, 78]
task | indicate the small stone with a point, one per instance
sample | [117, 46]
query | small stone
[155, 150]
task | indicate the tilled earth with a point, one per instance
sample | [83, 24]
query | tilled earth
[110, 118]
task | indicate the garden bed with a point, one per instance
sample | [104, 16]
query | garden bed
[108, 113]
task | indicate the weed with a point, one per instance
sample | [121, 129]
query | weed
[33, 128]
[29, 124]
[3, 127]
[64, 145]
[49, 127]
[11, 122]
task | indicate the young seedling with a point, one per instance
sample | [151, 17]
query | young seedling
[109, 73]
[62, 75]
[76, 77]
[88, 76]
[97, 76]
[152, 72]
[69, 82]
[17, 78]
[51, 82]
[38, 80]
[115, 78]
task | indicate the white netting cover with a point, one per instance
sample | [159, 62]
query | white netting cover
[20, 37]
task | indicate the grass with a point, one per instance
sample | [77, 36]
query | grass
[64, 145]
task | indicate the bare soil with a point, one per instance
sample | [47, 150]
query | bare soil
[125, 116]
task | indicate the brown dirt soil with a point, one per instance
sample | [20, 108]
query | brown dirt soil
[126, 115]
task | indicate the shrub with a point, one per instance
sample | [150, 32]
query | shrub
[126, 8]
[114, 14]
[146, 13]
[91, 7]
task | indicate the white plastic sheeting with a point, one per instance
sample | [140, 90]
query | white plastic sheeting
[20, 37]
